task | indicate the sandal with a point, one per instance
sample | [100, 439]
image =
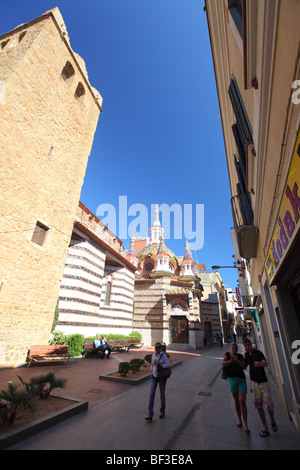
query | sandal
[274, 426]
[264, 433]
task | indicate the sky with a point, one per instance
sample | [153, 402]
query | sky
[159, 138]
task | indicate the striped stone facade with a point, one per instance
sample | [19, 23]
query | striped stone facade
[97, 288]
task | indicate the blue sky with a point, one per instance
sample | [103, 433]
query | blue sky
[159, 138]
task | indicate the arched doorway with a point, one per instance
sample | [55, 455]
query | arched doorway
[179, 329]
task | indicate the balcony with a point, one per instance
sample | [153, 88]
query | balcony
[246, 232]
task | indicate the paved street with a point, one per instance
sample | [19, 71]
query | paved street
[200, 416]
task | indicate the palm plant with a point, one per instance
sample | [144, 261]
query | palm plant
[14, 397]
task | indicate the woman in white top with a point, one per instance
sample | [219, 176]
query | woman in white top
[159, 359]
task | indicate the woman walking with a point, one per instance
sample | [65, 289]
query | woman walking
[159, 360]
[236, 378]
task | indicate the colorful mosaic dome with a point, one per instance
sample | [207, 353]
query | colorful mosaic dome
[150, 251]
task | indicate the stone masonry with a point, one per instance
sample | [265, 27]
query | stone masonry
[48, 114]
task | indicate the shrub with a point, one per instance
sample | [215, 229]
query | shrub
[123, 368]
[135, 365]
[148, 358]
[75, 344]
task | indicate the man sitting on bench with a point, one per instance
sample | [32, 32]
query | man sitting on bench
[99, 347]
[105, 346]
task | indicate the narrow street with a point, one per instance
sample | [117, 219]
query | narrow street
[199, 416]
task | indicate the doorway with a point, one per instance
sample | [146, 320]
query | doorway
[179, 329]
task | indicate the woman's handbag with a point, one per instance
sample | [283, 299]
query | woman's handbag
[163, 372]
[224, 373]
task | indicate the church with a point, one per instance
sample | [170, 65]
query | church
[167, 294]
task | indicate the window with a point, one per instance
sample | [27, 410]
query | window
[68, 71]
[149, 267]
[22, 36]
[4, 43]
[235, 8]
[39, 234]
[108, 291]
[241, 129]
[80, 91]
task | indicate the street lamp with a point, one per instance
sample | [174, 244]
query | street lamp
[218, 267]
[239, 268]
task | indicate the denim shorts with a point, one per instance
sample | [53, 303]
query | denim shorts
[236, 384]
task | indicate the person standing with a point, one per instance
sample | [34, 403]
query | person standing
[159, 359]
[236, 379]
[260, 390]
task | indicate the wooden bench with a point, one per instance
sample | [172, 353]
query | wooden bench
[134, 343]
[118, 344]
[89, 349]
[125, 344]
[50, 354]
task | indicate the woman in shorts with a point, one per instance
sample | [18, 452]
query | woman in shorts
[236, 378]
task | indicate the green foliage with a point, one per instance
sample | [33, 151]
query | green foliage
[47, 383]
[148, 358]
[135, 364]
[75, 342]
[56, 315]
[135, 334]
[14, 397]
[22, 395]
[124, 368]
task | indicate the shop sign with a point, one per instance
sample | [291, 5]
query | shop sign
[288, 217]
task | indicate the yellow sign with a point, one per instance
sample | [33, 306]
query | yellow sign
[288, 217]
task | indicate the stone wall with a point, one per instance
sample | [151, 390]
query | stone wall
[46, 137]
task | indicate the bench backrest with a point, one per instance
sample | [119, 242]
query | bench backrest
[88, 345]
[118, 342]
[48, 349]
[133, 340]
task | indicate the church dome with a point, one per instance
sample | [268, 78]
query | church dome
[150, 252]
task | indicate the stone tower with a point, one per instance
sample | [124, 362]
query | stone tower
[48, 115]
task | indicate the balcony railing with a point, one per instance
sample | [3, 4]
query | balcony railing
[247, 234]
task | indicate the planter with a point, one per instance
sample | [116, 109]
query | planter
[133, 379]
[73, 407]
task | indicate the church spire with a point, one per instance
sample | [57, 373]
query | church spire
[188, 264]
[156, 231]
[131, 255]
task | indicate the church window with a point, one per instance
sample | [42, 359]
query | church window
[149, 267]
[108, 291]
[68, 71]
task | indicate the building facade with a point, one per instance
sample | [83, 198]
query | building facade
[48, 113]
[97, 288]
[168, 293]
[255, 48]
